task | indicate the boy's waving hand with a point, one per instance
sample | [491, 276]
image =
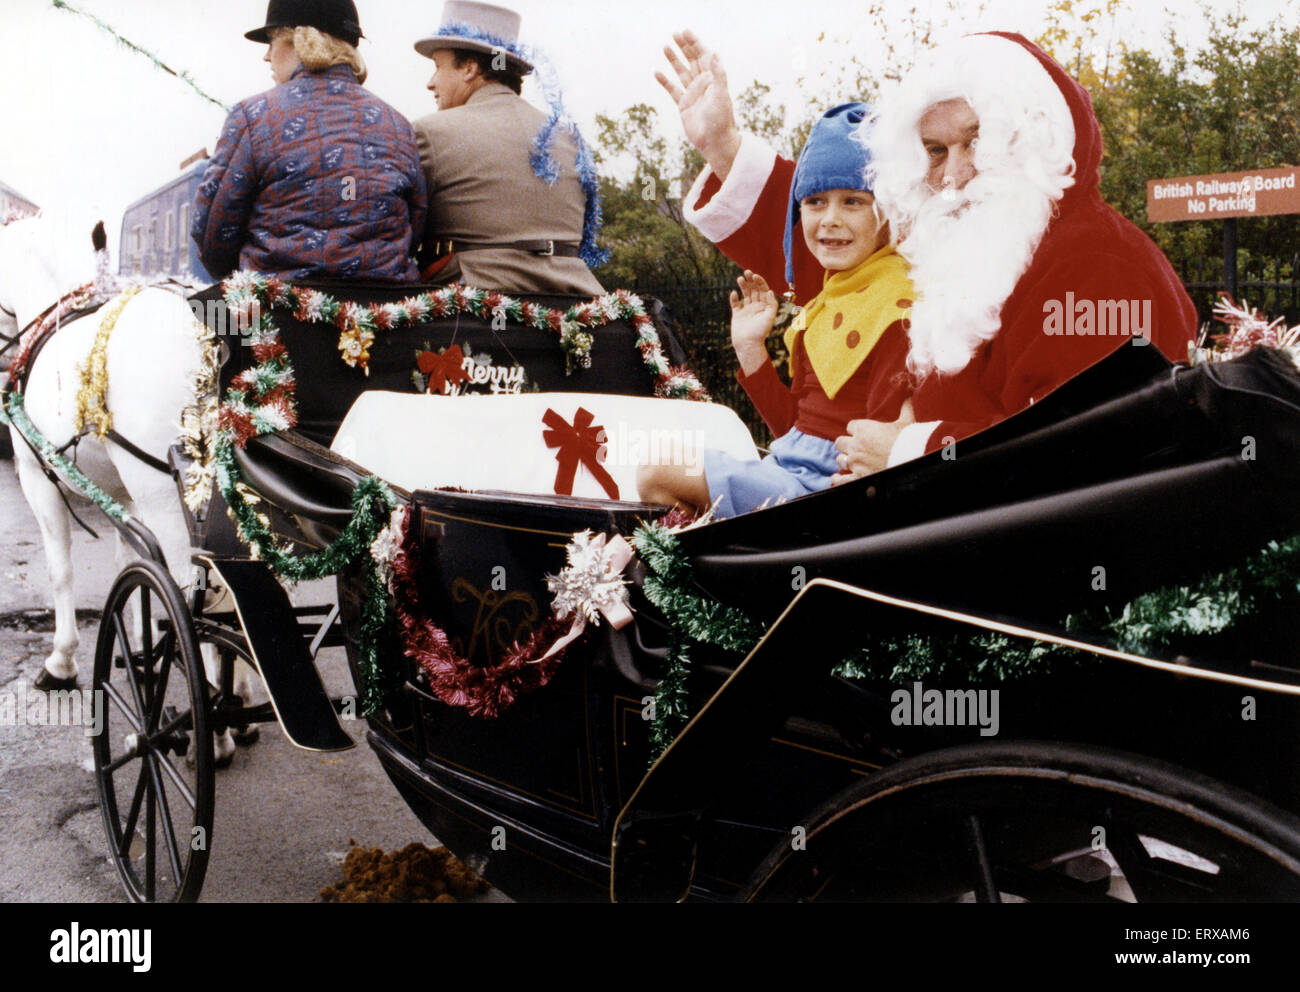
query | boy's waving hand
[703, 101]
[753, 312]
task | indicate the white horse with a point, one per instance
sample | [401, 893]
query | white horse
[152, 358]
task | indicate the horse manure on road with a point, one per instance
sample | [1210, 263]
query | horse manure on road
[413, 874]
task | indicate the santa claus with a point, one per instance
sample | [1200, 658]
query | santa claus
[986, 161]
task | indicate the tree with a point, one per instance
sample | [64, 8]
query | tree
[1232, 106]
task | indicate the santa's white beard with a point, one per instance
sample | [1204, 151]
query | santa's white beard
[967, 253]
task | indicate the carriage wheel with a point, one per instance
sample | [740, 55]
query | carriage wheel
[153, 758]
[1036, 822]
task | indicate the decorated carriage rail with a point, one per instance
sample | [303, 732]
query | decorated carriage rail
[914, 686]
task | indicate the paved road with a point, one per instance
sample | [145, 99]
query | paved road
[284, 817]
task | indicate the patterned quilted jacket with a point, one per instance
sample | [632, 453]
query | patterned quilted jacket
[316, 178]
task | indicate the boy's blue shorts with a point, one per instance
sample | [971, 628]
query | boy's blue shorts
[798, 465]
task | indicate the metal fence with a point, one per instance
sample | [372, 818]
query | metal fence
[704, 318]
[1270, 285]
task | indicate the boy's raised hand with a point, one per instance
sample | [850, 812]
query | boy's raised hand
[753, 312]
[703, 101]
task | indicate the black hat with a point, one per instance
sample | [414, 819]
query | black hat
[336, 17]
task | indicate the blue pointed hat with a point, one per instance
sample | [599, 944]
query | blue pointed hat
[834, 157]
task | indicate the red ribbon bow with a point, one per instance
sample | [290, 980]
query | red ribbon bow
[443, 370]
[578, 443]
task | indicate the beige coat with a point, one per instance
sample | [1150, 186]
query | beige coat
[482, 189]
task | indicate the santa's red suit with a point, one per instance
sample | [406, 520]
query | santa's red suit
[1088, 253]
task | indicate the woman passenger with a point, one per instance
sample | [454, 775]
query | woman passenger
[316, 178]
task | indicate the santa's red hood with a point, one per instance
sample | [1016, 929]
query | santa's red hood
[1087, 133]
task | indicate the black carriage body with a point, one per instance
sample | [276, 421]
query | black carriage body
[1135, 466]
[555, 769]
[1013, 533]
[531, 796]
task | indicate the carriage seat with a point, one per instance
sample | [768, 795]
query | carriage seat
[532, 442]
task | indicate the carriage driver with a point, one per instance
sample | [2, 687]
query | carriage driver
[316, 178]
[509, 207]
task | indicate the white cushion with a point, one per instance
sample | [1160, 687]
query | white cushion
[422, 441]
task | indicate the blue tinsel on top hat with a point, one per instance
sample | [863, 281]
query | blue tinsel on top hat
[834, 157]
[543, 165]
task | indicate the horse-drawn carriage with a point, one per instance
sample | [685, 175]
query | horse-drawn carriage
[1060, 665]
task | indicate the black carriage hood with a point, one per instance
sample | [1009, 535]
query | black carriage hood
[1156, 472]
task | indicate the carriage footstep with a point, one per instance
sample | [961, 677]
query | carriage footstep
[46, 682]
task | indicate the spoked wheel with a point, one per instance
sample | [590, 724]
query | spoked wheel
[1036, 822]
[153, 758]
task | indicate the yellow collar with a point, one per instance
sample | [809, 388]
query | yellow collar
[851, 313]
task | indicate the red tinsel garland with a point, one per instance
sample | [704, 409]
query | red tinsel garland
[677, 517]
[258, 410]
[483, 691]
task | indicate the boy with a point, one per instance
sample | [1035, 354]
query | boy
[847, 347]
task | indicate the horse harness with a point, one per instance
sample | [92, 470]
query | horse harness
[80, 302]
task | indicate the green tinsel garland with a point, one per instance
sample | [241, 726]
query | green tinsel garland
[372, 504]
[693, 618]
[375, 615]
[985, 654]
[183, 76]
[1149, 624]
[17, 416]
[672, 709]
[1154, 621]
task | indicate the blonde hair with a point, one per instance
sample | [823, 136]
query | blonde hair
[317, 51]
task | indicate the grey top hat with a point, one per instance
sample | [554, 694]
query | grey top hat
[478, 27]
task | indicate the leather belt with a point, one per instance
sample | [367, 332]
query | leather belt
[541, 247]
